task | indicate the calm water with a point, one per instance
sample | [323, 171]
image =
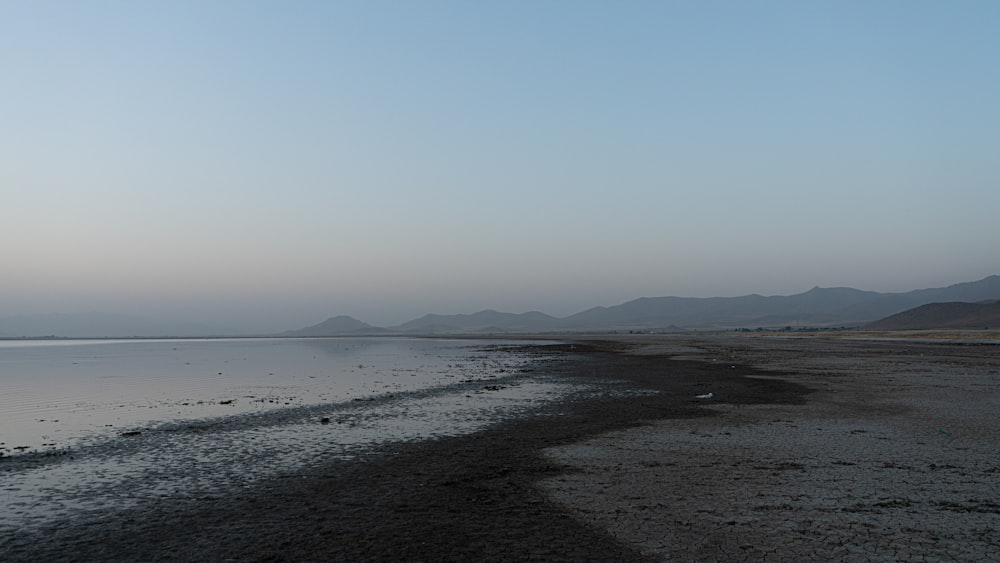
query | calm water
[88, 426]
[57, 393]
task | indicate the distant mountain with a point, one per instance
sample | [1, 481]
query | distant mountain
[100, 325]
[836, 306]
[488, 321]
[817, 307]
[335, 326]
[954, 315]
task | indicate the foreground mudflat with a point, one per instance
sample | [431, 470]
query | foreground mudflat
[809, 449]
[896, 457]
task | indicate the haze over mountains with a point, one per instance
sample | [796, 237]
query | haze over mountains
[818, 307]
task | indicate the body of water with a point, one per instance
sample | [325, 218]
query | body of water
[92, 425]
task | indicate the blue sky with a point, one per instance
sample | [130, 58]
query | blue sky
[269, 164]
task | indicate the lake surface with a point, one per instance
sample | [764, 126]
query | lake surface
[88, 426]
[57, 393]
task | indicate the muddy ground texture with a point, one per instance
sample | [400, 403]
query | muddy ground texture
[809, 448]
[894, 457]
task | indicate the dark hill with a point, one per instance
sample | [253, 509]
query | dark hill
[483, 321]
[986, 289]
[335, 326]
[833, 306]
[955, 315]
[818, 307]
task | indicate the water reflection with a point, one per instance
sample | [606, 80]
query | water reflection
[457, 390]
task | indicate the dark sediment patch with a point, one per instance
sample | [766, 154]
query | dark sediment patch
[466, 498]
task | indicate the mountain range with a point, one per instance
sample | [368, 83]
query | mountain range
[818, 307]
[955, 315]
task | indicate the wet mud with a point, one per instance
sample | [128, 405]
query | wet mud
[635, 469]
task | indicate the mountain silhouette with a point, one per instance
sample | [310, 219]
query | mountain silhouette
[483, 321]
[339, 325]
[954, 315]
[818, 307]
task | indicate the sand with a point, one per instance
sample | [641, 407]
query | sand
[810, 449]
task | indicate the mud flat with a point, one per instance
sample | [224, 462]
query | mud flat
[895, 456]
[808, 449]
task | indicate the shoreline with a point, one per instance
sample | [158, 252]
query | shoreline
[592, 479]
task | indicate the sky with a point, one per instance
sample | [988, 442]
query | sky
[266, 165]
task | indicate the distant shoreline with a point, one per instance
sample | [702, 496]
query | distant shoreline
[855, 333]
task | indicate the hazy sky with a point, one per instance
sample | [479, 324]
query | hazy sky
[270, 164]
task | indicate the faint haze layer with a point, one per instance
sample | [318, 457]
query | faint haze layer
[263, 165]
[836, 308]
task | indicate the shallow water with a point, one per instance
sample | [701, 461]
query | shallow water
[56, 394]
[176, 433]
